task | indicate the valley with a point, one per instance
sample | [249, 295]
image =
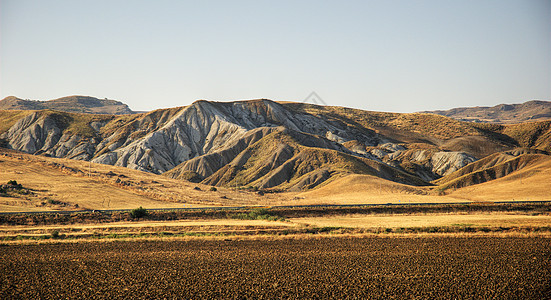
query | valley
[269, 199]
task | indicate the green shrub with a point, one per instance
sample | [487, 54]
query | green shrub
[139, 212]
[54, 202]
[15, 185]
[213, 189]
[257, 214]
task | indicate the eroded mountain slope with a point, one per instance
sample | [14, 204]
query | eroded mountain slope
[265, 144]
[284, 158]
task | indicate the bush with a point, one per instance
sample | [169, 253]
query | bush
[55, 234]
[15, 185]
[257, 214]
[139, 212]
[213, 189]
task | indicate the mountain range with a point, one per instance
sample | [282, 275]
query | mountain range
[75, 104]
[503, 113]
[281, 146]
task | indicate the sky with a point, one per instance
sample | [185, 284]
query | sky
[399, 56]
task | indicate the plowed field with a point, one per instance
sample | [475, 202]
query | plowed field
[329, 267]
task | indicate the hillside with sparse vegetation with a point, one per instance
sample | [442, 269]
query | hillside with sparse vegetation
[266, 147]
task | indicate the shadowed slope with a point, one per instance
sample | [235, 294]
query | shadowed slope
[285, 159]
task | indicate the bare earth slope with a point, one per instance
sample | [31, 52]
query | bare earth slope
[503, 113]
[295, 268]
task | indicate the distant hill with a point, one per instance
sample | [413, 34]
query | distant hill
[502, 113]
[74, 104]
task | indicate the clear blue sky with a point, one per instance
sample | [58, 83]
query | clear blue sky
[401, 56]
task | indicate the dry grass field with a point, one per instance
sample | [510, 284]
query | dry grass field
[52, 186]
[528, 184]
[359, 189]
[204, 227]
[64, 184]
[60, 184]
[428, 220]
[290, 268]
[497, 220]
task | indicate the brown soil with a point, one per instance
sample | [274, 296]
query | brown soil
[337, 268]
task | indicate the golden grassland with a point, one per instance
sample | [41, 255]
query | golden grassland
[532, 183]
[145, 226]
[359, 189]
[425, 220]
[455, 220]
[63, 183]
[94, 186]
[528, 184]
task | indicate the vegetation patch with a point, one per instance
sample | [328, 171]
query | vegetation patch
[13, 188]
[71, 234]
[257, 214]
[281, 213]
[138, 213]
